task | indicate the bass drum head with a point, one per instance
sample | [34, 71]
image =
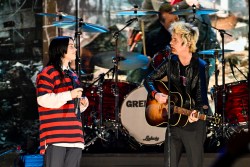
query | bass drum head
[134, 121]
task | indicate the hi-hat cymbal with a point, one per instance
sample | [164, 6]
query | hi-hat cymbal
[61, 14]
[86, 27]
[135, 12]
[196, 11]
[213, 51]
[128, 60]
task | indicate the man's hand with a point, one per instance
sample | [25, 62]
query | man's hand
[161, 98]
[193, 116]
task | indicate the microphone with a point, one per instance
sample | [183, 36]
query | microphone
[168, 48]
[231, 66]
[137, 38]
[168, 52]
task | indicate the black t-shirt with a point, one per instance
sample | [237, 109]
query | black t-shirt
[183, 81]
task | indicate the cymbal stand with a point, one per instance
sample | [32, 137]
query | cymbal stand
[116, 60]
[222, 33]
[78, 32]
[101, 130]
[216, 55]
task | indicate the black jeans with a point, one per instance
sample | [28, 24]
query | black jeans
[56, 156]
[191, 138]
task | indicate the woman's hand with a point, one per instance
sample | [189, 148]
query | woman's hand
[84, 101]
[76, 93]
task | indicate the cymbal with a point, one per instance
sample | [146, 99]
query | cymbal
[197, 11]
[86, 27]
[128, 60]
[61, 14]
[213, 51]
[135, 12]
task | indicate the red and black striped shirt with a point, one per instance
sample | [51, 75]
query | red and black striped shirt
[57, 125]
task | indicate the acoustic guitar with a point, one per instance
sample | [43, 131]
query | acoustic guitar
[157, 114]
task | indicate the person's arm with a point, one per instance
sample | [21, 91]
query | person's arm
[54, 100]
[49, 99]
[158, 73]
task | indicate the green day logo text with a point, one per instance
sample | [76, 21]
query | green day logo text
[136, 103]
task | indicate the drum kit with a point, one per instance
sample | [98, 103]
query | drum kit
[118, 107]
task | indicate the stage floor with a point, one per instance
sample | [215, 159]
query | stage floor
[148, 160]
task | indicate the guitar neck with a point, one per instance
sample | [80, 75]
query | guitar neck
[187, 112]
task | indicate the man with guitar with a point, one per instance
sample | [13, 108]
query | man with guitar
[188, 77]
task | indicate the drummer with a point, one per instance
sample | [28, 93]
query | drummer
[156, 40]
[159, 38]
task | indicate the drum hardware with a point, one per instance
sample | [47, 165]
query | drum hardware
[99, 92]
[217, 52]
[233, 65]
[115, 61]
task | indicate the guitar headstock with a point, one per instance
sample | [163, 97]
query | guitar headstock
[215, 120]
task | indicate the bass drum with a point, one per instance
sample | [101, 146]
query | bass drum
[134, 121]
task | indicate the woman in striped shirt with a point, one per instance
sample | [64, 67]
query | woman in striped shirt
[59, 93]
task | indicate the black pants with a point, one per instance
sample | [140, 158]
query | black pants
[191, 138]
[62, 156]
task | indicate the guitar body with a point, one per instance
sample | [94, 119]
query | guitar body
[157, 114]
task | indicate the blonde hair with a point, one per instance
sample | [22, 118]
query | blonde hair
[188, 32]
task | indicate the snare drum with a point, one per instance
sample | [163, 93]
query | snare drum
[134, 121]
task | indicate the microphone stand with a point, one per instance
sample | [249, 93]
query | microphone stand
[116, 62]
[216, 54]
[222, 32]
[169, 114]
[77, 61]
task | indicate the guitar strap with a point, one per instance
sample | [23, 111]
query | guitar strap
[203, 78]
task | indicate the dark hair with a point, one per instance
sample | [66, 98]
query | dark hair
[164, 8]
[57, 48]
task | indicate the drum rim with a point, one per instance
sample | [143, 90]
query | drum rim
[120, 81]
[234, 83]
[130, 93]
